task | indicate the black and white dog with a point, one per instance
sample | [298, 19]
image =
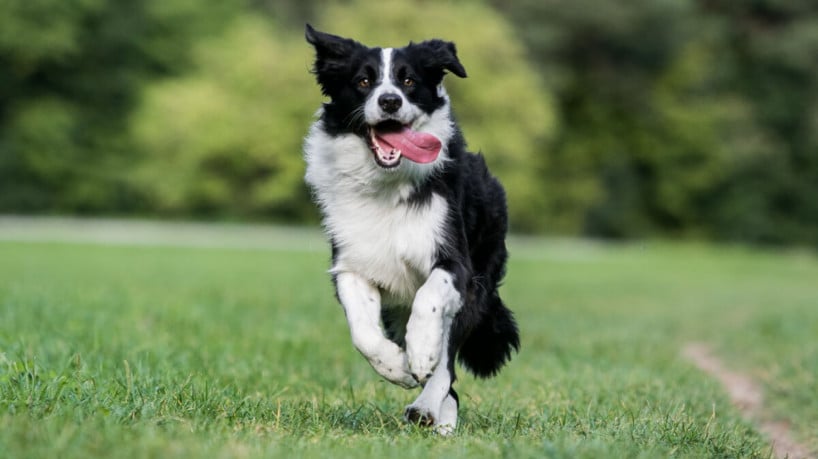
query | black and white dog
[417, 224]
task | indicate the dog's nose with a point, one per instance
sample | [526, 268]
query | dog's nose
[389, 102]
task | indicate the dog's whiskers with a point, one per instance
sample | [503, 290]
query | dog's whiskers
[355, 117]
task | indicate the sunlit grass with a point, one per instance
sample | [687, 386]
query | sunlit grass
[117, 351]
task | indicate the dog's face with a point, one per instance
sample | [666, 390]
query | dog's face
[392, 99]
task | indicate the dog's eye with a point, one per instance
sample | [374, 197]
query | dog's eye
[408, 82]
[363, 83]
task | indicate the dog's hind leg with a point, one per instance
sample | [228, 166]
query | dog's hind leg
[437, 403]
[448, 414]
[435, 305]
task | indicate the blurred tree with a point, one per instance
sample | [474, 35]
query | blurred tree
[773, 62]
[679, 117]
[670, 117]
[611, 154]
[69, 72]
[225, 139]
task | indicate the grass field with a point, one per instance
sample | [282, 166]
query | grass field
[242, 351]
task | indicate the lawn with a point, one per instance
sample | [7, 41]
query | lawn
[240, 350]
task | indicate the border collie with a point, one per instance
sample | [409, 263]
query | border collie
[416, 223]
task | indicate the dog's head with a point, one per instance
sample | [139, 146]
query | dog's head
[392, 97]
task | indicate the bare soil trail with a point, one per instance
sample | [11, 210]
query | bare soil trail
[748, 397]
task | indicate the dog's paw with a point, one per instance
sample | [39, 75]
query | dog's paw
[418, 416]
[422, 417]
[405, 380]
[424, 341]
[391, 363]
[422, 362]
[447, 420]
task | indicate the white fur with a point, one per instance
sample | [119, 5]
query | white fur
[434, 401]
[393, 247]
[361, 302]
[387, 246]
[447, 418]
[381, 236]
[433, 309]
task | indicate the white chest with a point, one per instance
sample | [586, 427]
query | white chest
[394, 246]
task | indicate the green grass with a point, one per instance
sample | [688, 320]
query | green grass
[116, 351]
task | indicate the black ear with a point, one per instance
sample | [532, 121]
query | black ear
[330, 46]
[332, 58]
[444, 55]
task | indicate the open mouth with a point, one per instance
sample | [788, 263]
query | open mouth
[391, 140]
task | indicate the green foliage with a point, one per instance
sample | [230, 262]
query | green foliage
[680, 117]
[652, 117]
[70, 74]
[220, 134]
[773, 46]
[225, 139]
[619, 145]
[34, 32]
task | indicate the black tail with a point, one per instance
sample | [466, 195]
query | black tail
[490, 343]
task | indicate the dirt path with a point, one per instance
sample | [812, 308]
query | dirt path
[748, 397]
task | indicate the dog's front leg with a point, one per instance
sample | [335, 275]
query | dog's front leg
[362, 305]
[437, 405]
[435, 305]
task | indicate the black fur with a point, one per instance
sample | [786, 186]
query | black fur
[484, 332]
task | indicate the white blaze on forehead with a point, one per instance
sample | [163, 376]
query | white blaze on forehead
[386, 85]
[372, 111]
[386, 66]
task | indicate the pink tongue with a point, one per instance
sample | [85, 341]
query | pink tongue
[419, 147]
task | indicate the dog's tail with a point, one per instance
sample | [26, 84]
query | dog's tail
[490, 343]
